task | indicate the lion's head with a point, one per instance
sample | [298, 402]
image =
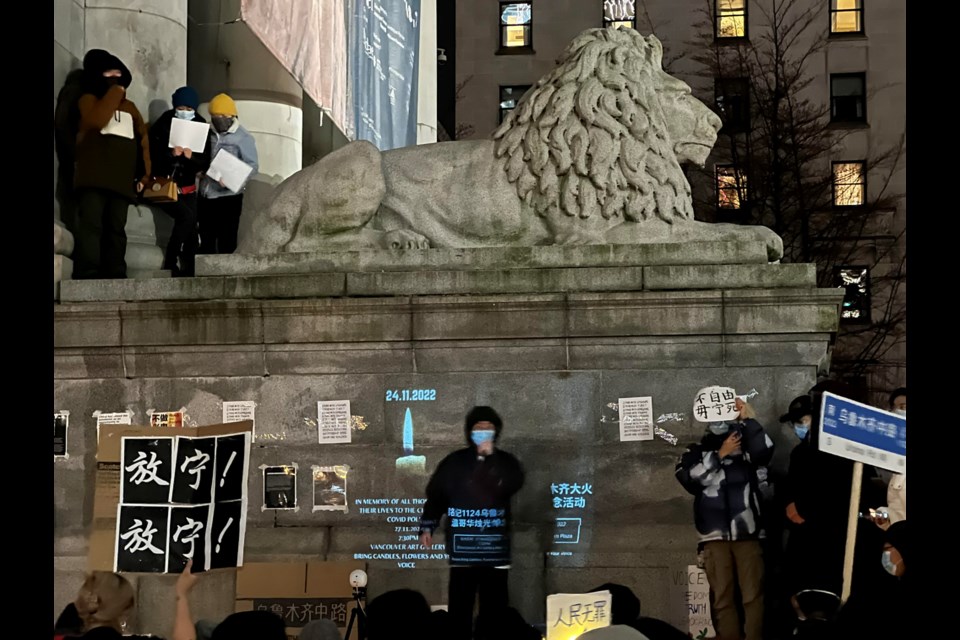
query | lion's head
[605, 132]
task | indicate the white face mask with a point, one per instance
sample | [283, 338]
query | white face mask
[901, 412]
[184, 114]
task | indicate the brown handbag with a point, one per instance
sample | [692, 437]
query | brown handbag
[160, 190]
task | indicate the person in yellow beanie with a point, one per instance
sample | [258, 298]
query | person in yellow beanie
[220, 208]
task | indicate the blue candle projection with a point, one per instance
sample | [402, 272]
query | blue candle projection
[409, 463]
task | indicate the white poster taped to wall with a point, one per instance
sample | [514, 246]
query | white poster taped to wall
[636, 418]
[239, 411]
[333, 422]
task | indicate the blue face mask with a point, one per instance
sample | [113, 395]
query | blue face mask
[888, 563]
[184, 115]
[481, 437]
[801, 430]
[718, 428]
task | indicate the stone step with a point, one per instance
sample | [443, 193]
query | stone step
[445, 282]
[486, 258]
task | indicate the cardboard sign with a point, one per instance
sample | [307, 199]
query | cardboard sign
[168, 528]
[715, 404]
[299, 592]
[690, 602]
[571, 614]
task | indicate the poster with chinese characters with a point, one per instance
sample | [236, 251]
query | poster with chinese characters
[715, 404]
[179, 497]
[636, 418]
[571, 614]
[862, 433]
[333, 422]
[166, 419]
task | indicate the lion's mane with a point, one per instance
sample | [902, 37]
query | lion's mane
[591, 138]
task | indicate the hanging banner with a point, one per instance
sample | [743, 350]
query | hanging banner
[384, 57]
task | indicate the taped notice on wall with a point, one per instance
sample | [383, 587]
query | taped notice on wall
[333, 422]
[330, 488]
[240, 410]
[61, 422]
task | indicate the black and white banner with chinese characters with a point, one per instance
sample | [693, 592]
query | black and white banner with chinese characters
[181, 497]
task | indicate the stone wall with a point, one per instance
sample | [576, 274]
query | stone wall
[551, 363]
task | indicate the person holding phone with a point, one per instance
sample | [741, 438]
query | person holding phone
[720, 472]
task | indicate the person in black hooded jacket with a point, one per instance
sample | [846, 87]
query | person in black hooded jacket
[473, 488]
[181, 165]
[112, 166]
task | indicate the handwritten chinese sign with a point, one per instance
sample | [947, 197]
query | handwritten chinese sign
[715, 404]
[572, 614]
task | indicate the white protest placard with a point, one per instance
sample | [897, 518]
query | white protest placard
[230, 169]
[715, 404]
[188, 134]
[572, 614]
[333, 422]
[636, 418]
[120, 125]
[239, 411]
[690, 602]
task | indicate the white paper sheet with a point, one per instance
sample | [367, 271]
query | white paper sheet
[230, 169]
[189, 135]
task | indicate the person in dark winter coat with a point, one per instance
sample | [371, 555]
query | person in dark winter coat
[473, 488]
[112, 167]
[817, 495]
[721, 473]
[181, 165]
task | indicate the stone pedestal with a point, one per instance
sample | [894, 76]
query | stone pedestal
[552, 337]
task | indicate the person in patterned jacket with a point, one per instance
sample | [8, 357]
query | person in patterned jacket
[720, 472]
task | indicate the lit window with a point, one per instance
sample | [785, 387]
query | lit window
[732, 97]
[731, 19]
[731, 188]
[855, 281]
[848, 101]
[619, 13]
[509, 97]
[516, 23]
[849, 184]
[846, 16]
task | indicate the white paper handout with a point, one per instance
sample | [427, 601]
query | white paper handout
[333, 421]
[120, 124]
[189, 135]
[231, 169]
[636, 418]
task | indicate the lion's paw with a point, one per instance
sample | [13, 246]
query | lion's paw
[404, 239]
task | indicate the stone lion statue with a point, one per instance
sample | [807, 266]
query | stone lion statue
[590, 155]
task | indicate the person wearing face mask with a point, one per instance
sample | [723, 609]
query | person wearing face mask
[112, 164]
[817, 495]
[473, 488]
[879, 611]
[721, 473]
[182, 165]
[220, 208]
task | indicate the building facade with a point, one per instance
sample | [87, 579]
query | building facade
[843, 204]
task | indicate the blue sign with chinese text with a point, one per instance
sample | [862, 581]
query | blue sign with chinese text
[859, 432]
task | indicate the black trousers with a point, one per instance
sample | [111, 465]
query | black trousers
[219, 220]
[465, 583]
[184, 241]
[101, 241]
